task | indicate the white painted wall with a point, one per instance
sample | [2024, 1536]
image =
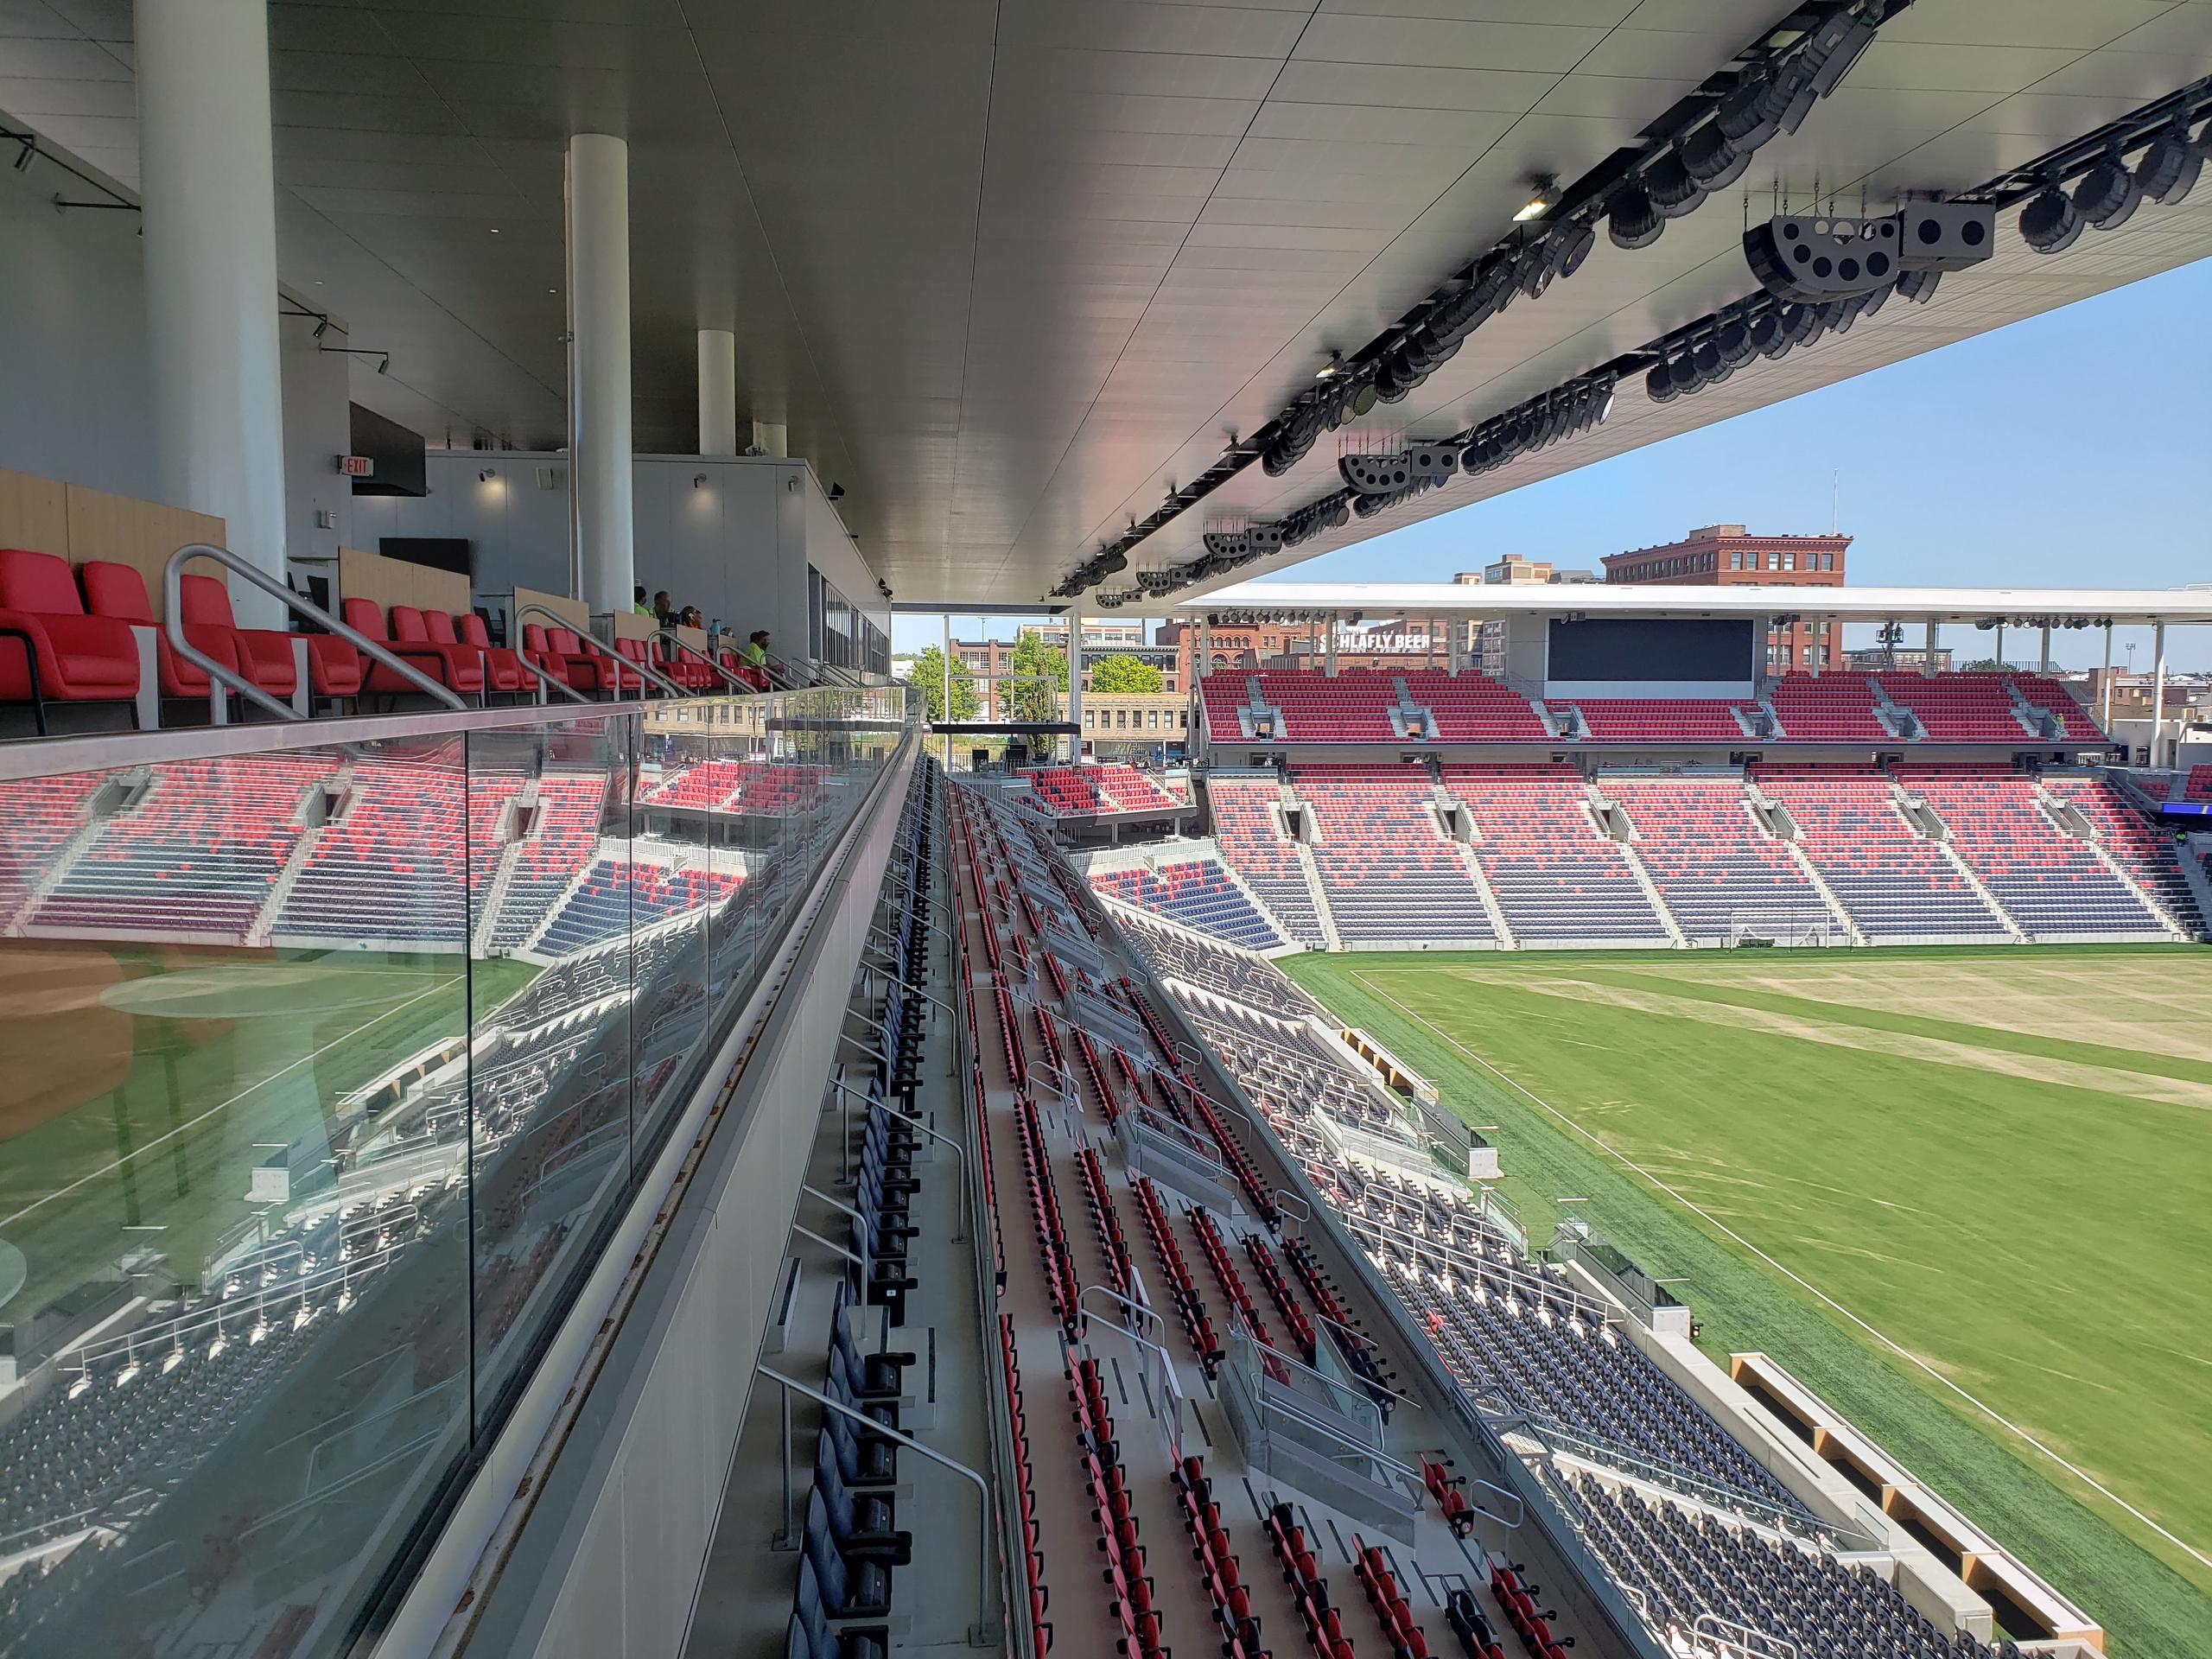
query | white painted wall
[317, 430]
[75, 402]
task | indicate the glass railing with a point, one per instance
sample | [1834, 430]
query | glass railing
[332, 1052]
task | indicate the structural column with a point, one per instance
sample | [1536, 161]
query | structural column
[602, 550]
[2158, 688]
[1927, 656]
[717, 392]
[1075, 684]
[1328, 657]
[210, 226]
[2107, 721]
[2044, 666]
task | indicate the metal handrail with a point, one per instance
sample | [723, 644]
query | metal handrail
[590, 641]
[727, 678]
[545, 680]
[985, 1630]
[172, 624]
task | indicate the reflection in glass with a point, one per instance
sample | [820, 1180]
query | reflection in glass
[321, 1065]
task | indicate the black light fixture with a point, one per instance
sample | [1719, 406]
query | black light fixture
[384, 364]
[2109, 195]
[1708, 157]
[837, 491]
[2168, 170]
[1918, 286]
[1631, 218]
[2050, 223]
[1672, 190]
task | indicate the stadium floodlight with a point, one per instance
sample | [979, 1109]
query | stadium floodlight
[1708, 157]
[1631, 218]
[2050, 223]
[2168, 170]
[1682, 372]
[1918, 286]
[2109, 195]
[1733, 342]
[1670, 187]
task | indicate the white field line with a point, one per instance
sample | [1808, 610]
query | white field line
[221, 1106]
[1719, 1226]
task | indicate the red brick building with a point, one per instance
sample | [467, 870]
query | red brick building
[1726, 556]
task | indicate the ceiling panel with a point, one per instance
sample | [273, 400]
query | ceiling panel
[1008, 272]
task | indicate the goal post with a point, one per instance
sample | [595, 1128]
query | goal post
[1790, 925]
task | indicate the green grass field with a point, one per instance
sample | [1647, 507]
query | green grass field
[1998, 1160]
[144, 1083]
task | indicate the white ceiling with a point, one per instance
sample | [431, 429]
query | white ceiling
[1008, 269]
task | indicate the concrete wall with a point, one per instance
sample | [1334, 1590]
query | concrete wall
[519, 530]
[317, 430]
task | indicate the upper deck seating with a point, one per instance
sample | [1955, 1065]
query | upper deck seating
[1352, 707]
[1659, 719]
[1130, 789]
[1710, 859]
[197, 855]
[1389, 871]
[1066, 792]
[1251, 838]
[1959, 708]
[2198, 785]
[1221, 694]
[1470, 708]
[2044, 692]
[1831, 708]
[1893, 883]
[1555, 876]
[2052, 884]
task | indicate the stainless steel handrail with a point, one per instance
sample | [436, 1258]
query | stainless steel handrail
[727, 678]
[545, 680]
[172, 624]
[590, 641]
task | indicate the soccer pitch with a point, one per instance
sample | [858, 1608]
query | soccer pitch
[145, 1083]
[1965, 1195]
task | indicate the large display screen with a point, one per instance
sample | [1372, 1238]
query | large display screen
[1613, 649]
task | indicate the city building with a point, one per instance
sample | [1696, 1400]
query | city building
[1725, 555]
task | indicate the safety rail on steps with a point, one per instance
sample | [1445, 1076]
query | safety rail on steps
[622, 664]
[172, 624]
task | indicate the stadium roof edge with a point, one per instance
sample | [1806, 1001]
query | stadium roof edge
[2012, 605]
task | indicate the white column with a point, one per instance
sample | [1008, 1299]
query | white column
[946, 760]
[210, 225]
[602, 548]
[2106, 722]
[2157, 690]
[717, 392]
[2000, 645]
[1927, 656]
[1329, 649]
[1075, 684]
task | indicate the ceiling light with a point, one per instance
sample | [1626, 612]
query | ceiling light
[384, 364]
[1708, 157]
[2107, 195]
[1766, 336]
[1546, 188]
[1918, 286]
[2050, 223]
[1332, 369]
[321, 327]
[2168, 168]
[1672, 191]
[698, 481]
[1733, 342]
[495, 229]
[1631, 219]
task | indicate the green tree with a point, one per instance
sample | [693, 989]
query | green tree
[1122, 672]
[928, 672]
[1040, 679]
[1983, 665]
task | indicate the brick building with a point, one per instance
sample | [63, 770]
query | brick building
[1728, 555]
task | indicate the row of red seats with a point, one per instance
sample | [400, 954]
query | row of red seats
[1060, 1282]
[1104, 1220]
[1025, 1485]
[1451, 1502]
[1131, 1606]
[1294, 1316]
[1301, 1575]
[1372, 1568]
[1216, 1251]
[1102, 1092]
[61, 643]
[1531, 1624]
[1240, 1165]
[1055, 1056]
[1182, 1290]
[1358, 1353]
[1017, 1056]
[1218, 1563]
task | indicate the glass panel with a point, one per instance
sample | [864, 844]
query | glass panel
[674, 891]
[549, 1073]
[232, 1320]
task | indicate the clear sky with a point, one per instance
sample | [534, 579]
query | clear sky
[2071, 449]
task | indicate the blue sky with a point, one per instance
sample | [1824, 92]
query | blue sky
[2068, 450]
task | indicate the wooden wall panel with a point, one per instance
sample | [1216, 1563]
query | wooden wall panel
[576, 610]
[34, 514]
[396, 582]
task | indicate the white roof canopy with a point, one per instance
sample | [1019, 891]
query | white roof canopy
[2015, 607]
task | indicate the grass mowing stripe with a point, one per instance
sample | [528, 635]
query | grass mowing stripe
[2147, 1607]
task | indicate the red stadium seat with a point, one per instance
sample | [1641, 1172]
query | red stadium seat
[50, 650]
[119, 591]
[409, 640]
[334, 666]
[503, 669]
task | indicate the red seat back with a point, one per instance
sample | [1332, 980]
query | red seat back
[366, 617]
[565, 642]
[206, 601]
[407, 624]
[40, 582]
[472, 631]
[441, 629]
[116, 590]
[533, 637]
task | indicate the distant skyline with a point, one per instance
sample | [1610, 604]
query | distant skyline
[2066, 450]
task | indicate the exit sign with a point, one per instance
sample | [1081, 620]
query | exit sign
[357, 466]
